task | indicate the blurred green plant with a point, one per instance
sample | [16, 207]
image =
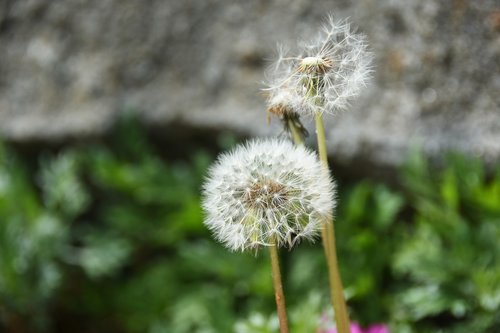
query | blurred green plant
[109, 239]
[304, 318]
[448, 263]
[115, 232]
[34, 232]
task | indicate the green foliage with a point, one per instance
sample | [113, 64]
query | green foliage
[115, 232]
[450, 258]
[367, 232]
[303, 318]
[34, 232]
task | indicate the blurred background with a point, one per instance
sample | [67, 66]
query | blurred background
[112, 110]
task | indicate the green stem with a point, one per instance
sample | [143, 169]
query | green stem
[278, 289]
[328, 234]
[321, 137]
[297, 138]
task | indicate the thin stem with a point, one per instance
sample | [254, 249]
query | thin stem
[321, 137]
[297, 138]
[278, 289]
[328, 233]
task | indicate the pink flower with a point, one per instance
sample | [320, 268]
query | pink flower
[355, 328]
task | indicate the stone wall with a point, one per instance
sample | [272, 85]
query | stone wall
[69, 67]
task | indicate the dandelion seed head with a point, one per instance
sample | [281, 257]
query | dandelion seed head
[267, 192]
[326, 73]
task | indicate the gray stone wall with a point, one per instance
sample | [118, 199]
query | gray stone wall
[69, 67]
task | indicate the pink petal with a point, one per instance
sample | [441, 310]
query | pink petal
[355, 328]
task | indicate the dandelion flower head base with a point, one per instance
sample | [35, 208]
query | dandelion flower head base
[315, 65]
[267, 192]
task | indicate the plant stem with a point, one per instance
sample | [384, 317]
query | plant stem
[328, 234]
[297, 138]
[278, 289]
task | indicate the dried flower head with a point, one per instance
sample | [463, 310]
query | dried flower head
[325, 74]
[267, 192]
[282, 102]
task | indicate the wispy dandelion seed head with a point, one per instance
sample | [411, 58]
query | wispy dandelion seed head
[326, 73]
[267, 192]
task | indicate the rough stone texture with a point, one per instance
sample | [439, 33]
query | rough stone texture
[69, 67]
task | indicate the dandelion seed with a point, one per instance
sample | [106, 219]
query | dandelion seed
[325, 75]
[267, 192]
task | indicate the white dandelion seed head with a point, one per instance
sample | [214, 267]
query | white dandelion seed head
[267, 192]
[326, 73]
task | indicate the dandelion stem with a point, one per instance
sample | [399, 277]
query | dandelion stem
[328, 234]
[297, 138]
[278, 289]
